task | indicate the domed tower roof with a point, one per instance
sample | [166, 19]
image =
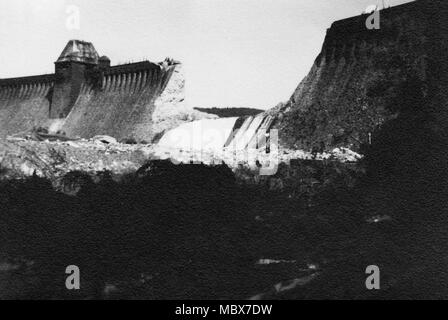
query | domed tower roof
[79, 51]
[104, 62]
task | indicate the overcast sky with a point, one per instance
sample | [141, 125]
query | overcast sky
[238, 53]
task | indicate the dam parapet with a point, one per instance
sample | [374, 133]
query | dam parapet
[86, 96]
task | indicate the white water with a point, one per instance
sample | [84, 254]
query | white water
[201, 135]
[259, 139]
[241, 141]
[214, 137]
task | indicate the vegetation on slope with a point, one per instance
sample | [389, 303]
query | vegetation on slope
[231, 112]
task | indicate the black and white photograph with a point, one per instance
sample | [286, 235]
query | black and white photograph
[242, 151]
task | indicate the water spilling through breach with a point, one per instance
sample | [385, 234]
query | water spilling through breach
[215, 135]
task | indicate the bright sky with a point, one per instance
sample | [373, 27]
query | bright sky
[237, 53]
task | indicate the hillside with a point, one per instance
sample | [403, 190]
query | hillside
[364, 78]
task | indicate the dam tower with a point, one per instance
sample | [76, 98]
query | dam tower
[72, 69]
[87, 96]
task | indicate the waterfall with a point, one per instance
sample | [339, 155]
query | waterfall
[215, 135]
[202, 135]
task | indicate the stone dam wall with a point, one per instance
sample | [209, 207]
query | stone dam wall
[123, 103]
[25, 103]
[363, 78]
[87, 97]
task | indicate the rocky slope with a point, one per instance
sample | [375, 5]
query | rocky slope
[57, 160]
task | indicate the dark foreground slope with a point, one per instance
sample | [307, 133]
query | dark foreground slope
[190, 231]
[168, 231]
